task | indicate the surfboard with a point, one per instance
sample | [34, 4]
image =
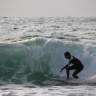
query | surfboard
[63, 81]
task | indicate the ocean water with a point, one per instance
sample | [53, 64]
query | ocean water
[31, 55]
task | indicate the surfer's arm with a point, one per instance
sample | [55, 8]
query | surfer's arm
[64, 68]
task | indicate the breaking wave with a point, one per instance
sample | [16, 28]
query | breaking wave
[39, 59]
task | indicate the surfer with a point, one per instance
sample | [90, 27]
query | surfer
[73, 64]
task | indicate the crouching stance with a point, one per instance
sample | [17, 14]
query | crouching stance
[74, 64]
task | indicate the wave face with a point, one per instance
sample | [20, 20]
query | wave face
[39, 59]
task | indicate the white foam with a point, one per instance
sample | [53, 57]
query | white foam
[29, 90]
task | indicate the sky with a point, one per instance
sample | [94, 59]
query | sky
[47, 8]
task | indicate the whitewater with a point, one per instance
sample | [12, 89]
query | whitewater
[32, 54]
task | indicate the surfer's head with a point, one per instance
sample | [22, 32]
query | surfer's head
[67, 55]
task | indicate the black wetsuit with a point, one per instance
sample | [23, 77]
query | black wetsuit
[76, 65]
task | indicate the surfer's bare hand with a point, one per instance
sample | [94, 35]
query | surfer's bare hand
[60, 71]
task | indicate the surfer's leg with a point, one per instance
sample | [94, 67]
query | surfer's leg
[77, 71]
[67, 72]
[75, 74]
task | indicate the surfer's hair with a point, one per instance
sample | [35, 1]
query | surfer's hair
[67, 53]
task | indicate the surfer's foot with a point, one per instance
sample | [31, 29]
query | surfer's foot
[76, 77]
[67, 79]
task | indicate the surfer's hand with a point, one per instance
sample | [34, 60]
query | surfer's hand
[60, 70]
